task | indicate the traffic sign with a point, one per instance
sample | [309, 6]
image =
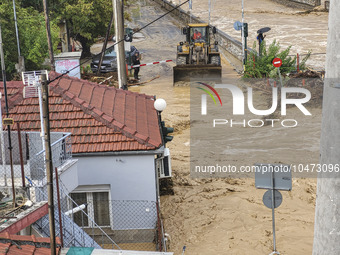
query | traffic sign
[237, 25]
[267, 199]
[277, 175]
[277, 62]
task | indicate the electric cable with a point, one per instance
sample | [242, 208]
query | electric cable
[58, 77]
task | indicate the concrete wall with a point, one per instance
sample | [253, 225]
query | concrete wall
[229, 47]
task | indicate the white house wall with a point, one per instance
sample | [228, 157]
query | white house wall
[132, 187]
[130, 177]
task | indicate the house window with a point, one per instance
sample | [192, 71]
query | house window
[101, 208]
[97, 207]
[79, 217]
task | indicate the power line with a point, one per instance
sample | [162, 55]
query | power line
[58, 77]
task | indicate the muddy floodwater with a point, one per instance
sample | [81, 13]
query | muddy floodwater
[290, 27]
[227, 216]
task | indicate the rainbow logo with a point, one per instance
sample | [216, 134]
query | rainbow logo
[204, 97]
[209, 93]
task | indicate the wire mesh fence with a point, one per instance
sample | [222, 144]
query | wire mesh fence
[28, 162]
[90, 219]
[115, 224]
[17, 155]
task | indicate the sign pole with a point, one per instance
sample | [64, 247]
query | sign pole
[273, 182]
[273, 214]
[277, 62]
[278, 69]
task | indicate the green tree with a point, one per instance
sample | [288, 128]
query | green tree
[87, 19]
[8, 37]
[263, 66]
[32, 35]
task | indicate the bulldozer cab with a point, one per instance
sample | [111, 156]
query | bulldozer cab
[199, 35]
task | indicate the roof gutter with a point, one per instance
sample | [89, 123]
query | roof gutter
[120, 153]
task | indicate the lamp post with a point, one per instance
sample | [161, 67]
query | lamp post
[160, 105]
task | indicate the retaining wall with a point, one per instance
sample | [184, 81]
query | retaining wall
[305, 4]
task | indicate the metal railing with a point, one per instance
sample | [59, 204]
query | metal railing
[61, 152]
[28, 156]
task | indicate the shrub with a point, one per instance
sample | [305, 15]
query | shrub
[263, 66]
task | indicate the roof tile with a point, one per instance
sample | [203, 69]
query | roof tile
[25, 245]
[97, 97]
[75, 88]
[115, 120]
[86, 92]
[64, 83]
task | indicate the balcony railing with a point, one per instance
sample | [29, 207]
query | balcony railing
[29, 157]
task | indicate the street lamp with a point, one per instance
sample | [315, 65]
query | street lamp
[160, 104]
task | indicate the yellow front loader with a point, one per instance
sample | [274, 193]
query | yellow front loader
[198, 58]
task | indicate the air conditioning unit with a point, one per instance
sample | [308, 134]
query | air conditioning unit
[163, 164]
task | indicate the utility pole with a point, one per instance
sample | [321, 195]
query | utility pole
[7, 114]
[327, 218]
[21, 63]
[48, 162]
[243, 46]
[105, 44]
[48, 33]
[209, 11]
[119, 30]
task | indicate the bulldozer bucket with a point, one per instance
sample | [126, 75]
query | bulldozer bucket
[187, 73]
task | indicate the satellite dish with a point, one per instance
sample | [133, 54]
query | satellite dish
[238, 25]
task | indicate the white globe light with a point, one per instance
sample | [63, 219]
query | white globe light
[160, 104]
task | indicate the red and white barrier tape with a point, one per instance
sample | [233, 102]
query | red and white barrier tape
[152, 63]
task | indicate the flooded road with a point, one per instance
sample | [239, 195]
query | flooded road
[226, 216]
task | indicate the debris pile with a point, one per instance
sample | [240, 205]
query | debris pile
[310, 80]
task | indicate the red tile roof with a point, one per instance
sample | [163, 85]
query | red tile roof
[100, 118]
[26, 245]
